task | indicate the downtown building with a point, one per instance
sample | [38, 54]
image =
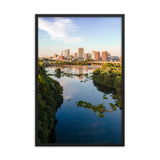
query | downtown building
[113, 58]
[89, 56]
[86, 56]
[104, 56]
[93, 55]
[97, 56]
[55, 57]
[65, 52]
[81, 52]
[120, 59]
[61, 58]
[75, 55]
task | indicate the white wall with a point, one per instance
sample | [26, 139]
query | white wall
[17, 79]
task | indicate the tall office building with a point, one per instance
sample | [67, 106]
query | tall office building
[104, 56]
[80, 52]
[97, 56]
[65, 52]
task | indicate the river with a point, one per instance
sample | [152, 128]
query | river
[79, 125]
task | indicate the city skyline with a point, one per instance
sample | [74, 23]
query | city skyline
[100, 34]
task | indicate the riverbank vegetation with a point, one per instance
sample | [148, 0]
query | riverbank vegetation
[110, 76]
[49, 99]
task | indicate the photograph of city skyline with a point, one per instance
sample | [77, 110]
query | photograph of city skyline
[80, 87]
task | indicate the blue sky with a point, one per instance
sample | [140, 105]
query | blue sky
[91, 33]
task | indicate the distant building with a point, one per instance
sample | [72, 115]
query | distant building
[46, 57]
[104, 56]
[93, 55]
[65, 52]
[80, 59]
[120, 59]
[97, 56]
[70, 57]
[75, 55]
[113, 58]
[41, 58]
[61, 58]
[86, 56]
[62, 53]
[89, 56]
[54, 55]
[80, 52]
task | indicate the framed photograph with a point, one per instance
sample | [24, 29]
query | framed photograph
[79, 79]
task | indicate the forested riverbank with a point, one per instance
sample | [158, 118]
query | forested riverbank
[110, 76]
[49, 99]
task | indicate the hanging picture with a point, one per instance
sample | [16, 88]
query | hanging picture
[79, 80]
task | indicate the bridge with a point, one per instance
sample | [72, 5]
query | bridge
[92, 63]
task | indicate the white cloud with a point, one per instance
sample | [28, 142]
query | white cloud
[43, 39]
[59, 29]
[70, 39]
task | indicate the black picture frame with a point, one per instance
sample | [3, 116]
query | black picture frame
[123, 75]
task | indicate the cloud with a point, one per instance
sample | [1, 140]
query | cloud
[70, 39]
[43, 39]
[59, 29]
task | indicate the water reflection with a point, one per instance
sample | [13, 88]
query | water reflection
[104, 89]
[52, 137]
[80, 71]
